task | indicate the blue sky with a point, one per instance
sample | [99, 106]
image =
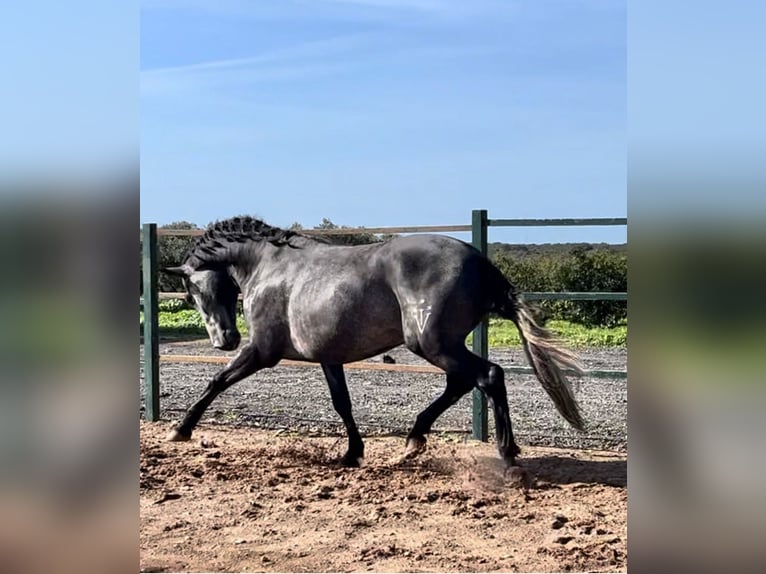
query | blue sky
[385, 112]
[65, 107]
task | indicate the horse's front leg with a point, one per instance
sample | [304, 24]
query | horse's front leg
[341, 400]
[246, 363]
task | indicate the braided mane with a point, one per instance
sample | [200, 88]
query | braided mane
[242, 230]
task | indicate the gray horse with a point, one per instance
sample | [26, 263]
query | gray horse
[307, 299]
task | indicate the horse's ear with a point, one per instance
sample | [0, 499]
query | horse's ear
[180, 271]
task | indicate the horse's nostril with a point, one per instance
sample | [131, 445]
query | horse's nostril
[233, 336]
[229, 342]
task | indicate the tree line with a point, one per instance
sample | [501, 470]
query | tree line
[551, 267]
[579, 268]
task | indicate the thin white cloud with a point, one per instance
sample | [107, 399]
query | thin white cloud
[312, 59]
[449, 9]
[291, 63]
[270, 6]
[303, 9]
[342, 10]
[335, 46]
[222, 80]
[417, 5]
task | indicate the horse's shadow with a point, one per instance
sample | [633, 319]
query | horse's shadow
[560, 470]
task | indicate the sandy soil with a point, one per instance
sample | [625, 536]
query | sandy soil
[250, 500]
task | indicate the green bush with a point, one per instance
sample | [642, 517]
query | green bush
[592, 271]
[580, 269]
[173, 305]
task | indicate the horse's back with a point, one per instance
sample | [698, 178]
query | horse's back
[431, 263]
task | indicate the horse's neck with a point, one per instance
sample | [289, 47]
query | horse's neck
[240, 259]
[248, 262]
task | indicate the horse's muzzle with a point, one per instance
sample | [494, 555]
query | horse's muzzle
[229, 341]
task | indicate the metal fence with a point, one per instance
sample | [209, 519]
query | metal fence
[480, 224]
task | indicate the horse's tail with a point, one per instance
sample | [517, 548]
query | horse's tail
[545, 353]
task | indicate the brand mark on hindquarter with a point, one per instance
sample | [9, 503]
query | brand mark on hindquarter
[422, 314]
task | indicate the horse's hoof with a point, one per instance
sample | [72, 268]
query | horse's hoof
[177, 436]
[415, 445]
[352, 461]
[413, 448]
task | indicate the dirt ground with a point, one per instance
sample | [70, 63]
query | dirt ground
[250, 500]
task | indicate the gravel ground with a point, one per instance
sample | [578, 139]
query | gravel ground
[387, 402]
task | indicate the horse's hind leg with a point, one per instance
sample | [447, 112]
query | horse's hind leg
[492, 383]
[457, 387]
[341, 400]
[464, 371]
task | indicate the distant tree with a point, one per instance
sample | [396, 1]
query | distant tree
[172, 250]
[350, 239]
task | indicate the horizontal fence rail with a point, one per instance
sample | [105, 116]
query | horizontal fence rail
[562, 222]
[389, 230]
[340, 231]
[529, 296]
[575, 296]
[566, 222]
[478, 228]
[371, 366]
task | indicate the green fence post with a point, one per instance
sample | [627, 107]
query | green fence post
[151, 325]
[480, 334]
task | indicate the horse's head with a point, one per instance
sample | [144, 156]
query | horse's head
[214, 293]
